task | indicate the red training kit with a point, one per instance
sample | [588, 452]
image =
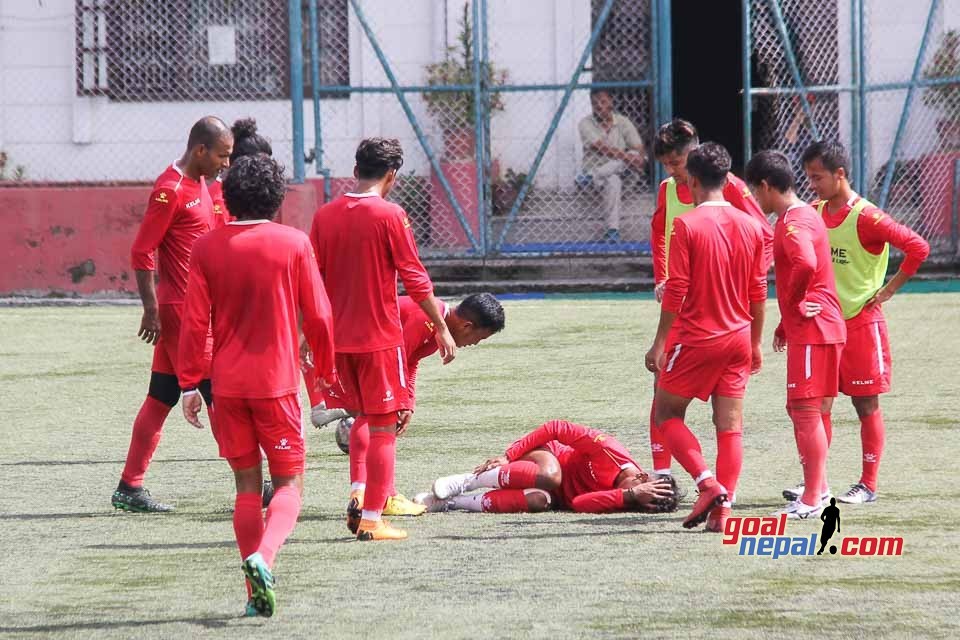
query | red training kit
[179, 212]
[735, 192]
[590, 462]
[804, 271]
[253, 278]
[362, 242]
[724, 248]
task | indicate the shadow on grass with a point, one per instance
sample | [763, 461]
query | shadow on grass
[212, 622]
[57, 463]
[561, 535]
[55, 516]
[174, 546]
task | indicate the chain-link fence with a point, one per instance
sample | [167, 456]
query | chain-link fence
[881, 77]
[526, 126]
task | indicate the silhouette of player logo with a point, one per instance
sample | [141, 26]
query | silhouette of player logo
[831, 522]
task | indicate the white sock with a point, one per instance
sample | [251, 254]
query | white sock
[703, 476]
[372, 516]
[663, 472]
[358, 486]
[489, 479]
[472, 502]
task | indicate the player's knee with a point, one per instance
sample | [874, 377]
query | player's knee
[538, 500]
[866, 406]
[549, 479]
[164, 388]
[206, 390]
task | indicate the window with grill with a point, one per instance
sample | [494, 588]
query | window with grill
[179, 50]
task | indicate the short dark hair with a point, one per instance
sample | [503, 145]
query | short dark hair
[254, 187]
[830, 152]
[207, 131]
[675, 136]
[772, 166]
[376, 156]
[709, 163]
[247, 141]
[483, 310]
[595, 92]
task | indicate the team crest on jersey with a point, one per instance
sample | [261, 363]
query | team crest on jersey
[791, 230]
[746, 192]
[162, 198]
[193, 203]
[406, 222]
[217, 210]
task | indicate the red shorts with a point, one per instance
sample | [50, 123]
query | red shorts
[865, 362]
[243, 426]
[719, 368]
[165, 351]
[813, 370]
[373, 383]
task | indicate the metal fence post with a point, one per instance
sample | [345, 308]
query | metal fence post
[479, 89]
[792, 64]
[663, 88]
[315, 91]
[955, 208]
[295, 39]
[745, 25]
[856, 105]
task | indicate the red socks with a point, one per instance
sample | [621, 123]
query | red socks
[248, 522]
[381, 460]
[282, 517]
[812, 444]
[505, 500]
[872, 434]
[729, 460]
[684, 447]
[521, 474]
[359, 447]
[658, 445]
[146, 436]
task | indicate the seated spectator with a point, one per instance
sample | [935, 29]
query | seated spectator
[611, 147]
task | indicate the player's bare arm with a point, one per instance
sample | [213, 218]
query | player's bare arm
[150, 322]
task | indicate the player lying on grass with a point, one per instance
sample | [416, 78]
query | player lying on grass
[559, 465]
[476, 318]
[254, 279]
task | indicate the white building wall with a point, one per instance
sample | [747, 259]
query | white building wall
[59, 136]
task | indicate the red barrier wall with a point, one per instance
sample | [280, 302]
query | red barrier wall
[76, 240]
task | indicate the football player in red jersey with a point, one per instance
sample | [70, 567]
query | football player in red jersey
[180, 211]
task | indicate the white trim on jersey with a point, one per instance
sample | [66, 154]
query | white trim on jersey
[807, 366]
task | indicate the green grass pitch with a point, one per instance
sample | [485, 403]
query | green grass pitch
[71, 381]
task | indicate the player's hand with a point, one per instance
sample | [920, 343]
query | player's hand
[405, 416]
[779, 342]
[879, 297]
[492, 463]
[756, 359]
[649, 492]
[448, 348]
[810, 309]
[150, 326]
[653, 358]
[191, 409]
[658, 291]
[306, 357]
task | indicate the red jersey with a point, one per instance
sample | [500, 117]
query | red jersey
[804, 268]
[362, 242]
[253, 278]
[221, 215]
[419, 340]
[179, 212]
[876, 228]
[590, 460]
[724, 247]
[735, 192]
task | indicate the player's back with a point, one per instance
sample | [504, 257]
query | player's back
[355, 238]
[252, 272]
[724, 270]
[828, 326]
